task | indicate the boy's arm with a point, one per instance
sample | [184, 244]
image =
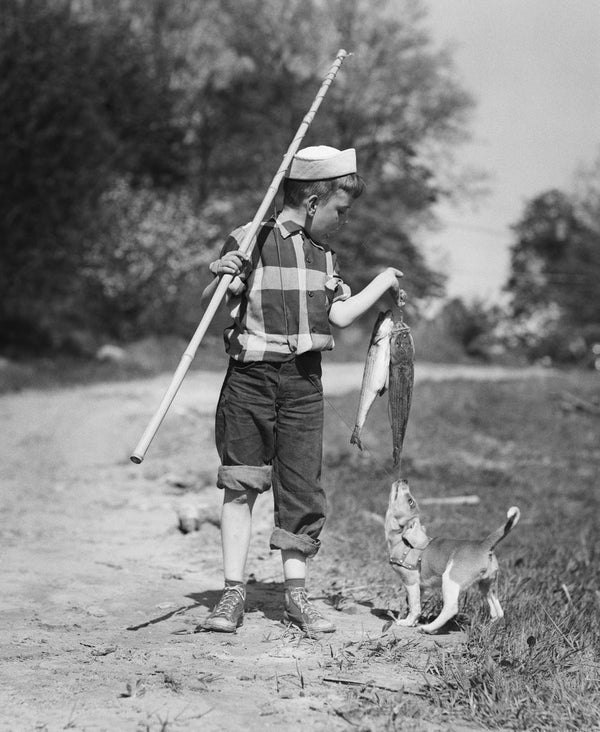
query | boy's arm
[345, 312]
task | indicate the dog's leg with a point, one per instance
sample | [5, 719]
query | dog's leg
[450, 593]
[488, 590]
[413, 598]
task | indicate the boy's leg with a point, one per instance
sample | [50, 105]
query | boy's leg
[297, 492]
[299, 497]
[294, 564]
[242, 429]
[236, 530]
[297, 607]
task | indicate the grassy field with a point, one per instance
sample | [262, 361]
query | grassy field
[509, 443]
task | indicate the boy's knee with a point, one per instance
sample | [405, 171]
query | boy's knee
[242, 478]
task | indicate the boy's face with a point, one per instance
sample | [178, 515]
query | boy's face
[329, 215]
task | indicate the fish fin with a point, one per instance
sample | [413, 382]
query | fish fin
[355, 439]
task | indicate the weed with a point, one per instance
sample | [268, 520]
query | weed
[172, 683]
[509, 444]
[206, 678]
[131, 690]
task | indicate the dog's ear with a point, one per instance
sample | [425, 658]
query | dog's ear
[414, 533]
[392, 525]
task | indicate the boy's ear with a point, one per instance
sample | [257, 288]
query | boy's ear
[311, 204]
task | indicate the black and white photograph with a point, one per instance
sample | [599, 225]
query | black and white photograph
[299, 365]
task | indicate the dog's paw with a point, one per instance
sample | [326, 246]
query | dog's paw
[406, 622]
[426, 629]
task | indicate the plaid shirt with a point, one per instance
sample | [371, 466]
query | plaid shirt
[283, 309]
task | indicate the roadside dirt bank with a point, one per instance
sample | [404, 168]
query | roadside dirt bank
[102, 592]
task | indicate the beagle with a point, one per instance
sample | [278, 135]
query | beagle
[422, 561]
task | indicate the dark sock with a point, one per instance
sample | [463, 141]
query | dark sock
[234, 583]
[292, 583]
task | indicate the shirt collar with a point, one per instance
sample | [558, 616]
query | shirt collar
[287, 228]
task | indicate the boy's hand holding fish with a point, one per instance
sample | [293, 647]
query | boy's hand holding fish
[345, 312]
[396, 291]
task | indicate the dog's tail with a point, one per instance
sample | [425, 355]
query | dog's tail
[513, 514]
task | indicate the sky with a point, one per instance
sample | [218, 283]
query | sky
[533, 68]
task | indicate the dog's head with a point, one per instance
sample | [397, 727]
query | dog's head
[402, 507]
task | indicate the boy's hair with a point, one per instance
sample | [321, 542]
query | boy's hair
[296, 191]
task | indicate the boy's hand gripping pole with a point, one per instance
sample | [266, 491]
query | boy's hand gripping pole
[246, 245]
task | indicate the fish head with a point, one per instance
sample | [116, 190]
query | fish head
[384, 325]
[402, 347]
[402, 507]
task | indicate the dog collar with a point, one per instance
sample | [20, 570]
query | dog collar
[410, 558]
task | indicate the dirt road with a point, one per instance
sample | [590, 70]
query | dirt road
[101, 592]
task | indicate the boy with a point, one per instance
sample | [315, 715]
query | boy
[269, 420]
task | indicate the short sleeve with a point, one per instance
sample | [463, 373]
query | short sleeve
[337, 290]
[232, 242]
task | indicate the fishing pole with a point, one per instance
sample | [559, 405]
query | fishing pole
[245, 247]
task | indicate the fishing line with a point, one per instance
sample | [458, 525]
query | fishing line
[303, 370]
[341, 418]
[373, 457]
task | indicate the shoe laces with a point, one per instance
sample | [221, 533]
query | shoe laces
[231, 597]
[300, 598]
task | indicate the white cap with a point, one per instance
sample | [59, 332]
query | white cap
[321, 162]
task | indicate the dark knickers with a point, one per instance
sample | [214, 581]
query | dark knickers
[269, 431]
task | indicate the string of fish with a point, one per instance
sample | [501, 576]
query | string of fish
[389, 366]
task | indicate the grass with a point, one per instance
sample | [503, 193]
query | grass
[146, 358]
[509, 443]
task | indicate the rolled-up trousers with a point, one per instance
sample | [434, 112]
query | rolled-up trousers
[269, 432]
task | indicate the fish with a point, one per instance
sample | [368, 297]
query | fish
[376, 372]
[401, 380]
[389, 367]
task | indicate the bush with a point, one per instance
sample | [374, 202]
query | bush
[151, 255]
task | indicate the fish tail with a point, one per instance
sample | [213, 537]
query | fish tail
[355, 439]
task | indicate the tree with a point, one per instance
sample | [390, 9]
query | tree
[78, 106]
[555, 269]
[556, 261]
[113, 115]
[251, 70]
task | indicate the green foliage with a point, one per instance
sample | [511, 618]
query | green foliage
[175, 106]
[151, 247]
[555, 271]
[470, 323]
[556, 259]
[78, 105]
[460, 332]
